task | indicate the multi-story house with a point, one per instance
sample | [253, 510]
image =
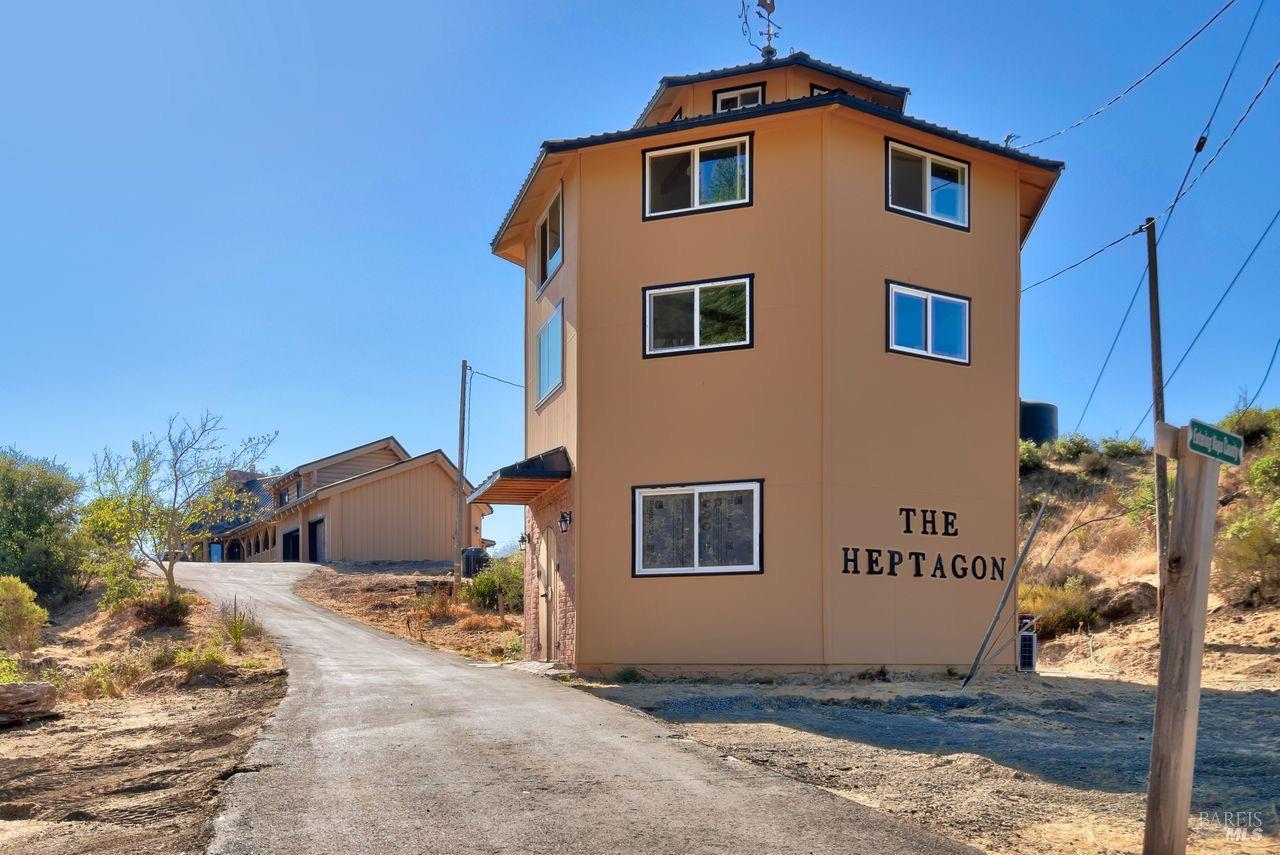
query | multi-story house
[772, 379]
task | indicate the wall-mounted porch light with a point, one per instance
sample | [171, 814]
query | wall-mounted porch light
[523, 539]
[566, 518]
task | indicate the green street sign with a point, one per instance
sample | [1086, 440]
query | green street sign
[1216, 443]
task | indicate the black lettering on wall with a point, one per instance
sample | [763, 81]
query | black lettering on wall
[850, 560]
[938, 572]
[907, 514]
[895, 558]
[917, 557]
[997, 569]
[963, 569]
[974, 567]
[928, 521]
[949, 528]
[873, 562]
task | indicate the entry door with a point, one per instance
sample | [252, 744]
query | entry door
[289, 545]
[547, 567]
[315, 541]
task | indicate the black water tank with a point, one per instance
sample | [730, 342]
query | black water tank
[474, 559]
[1038, 421]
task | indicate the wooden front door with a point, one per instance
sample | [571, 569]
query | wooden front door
[547, 567]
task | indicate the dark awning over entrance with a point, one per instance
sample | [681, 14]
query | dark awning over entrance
[523, 482]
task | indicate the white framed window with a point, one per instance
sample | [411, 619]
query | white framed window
[698, 528]
[739, 99]
[690, 316]
[928, 323]
[698, 176]
[923, 184]
[551, 353]
[550, 241]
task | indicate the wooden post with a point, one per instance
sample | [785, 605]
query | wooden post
[1173, 740]
[1157, 414]
[459, 528]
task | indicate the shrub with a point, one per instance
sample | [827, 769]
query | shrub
[433, 607]
[38, 542]
[1095, 464]
[9, 672]
[163, 655]
[1140, 502]
[1030, 457]
[1061, 608]
[238, 623]
[505, 574]
[20, 617]
[514, 646]
[473, 623]
[200, 660]
[1255, 425]
[628, 675]
[1264, 475]
[1114, 446]
[1248, 560]
[1069, 448]
[98, 682]
[120, 584]
[157, 610]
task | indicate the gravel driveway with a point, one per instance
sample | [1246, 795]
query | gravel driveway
[385, 746]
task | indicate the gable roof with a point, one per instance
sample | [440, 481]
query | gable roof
[799, 58]
[387, 441]
[836, 97]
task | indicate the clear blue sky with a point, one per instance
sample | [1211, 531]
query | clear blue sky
[281, 212]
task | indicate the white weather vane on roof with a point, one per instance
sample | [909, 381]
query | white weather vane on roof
[770, 28]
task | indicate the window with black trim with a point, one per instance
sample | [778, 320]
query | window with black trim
[679, 114]
[928, 323]
[551, 353]
[698, 528]
[550, 241]
[692, 316]
[925, 184]
[699, 176]
[815, 89]
[739, 99]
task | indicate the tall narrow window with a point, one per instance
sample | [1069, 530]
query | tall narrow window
[739, 99]
[928, 323]
[550, 241]
[711, 315]
[700, 528]
[551, 354]
[713, 174]
[928, 185]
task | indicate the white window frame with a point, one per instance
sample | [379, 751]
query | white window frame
[557, 312]
[929, 297]
[695, 192]
[639, 495]
[929, 159]
[555, 261]
[696, 288]
[758, 88]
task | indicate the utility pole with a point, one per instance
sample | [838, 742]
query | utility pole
[1157, 412]
[458, 541]
[1173, 739]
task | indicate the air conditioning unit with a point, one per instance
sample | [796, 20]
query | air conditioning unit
[1027, 648]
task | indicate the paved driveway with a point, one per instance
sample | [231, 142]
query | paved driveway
[386, 746]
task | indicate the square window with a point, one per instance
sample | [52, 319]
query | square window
[739, 99]
[698, 316]
[551, 354]
[713, 174]
[928, 185]
[928, 323]
[707, 528]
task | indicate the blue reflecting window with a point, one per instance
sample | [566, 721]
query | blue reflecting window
[551, 353]
[927, 323]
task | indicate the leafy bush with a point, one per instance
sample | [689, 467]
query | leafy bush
[514, 646]
[201, 660]
[1061, 608]
[157, 610]
[9, 672]
[1264, 475]
[628, 675]
[1069, 448]
[1095, 464]
[20, 617]
[1255, 425]
[162, 655]
[121, 585]
[1114, 446]
[1140, 502]
[1248, 559]
[1030, 457]
[38, 543]
[98, 682]
[505, 574]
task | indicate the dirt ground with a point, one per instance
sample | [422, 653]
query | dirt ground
[1028, 764]
[140, 772]
[382, 597]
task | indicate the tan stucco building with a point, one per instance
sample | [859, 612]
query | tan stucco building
[373, 502]
[772, 373]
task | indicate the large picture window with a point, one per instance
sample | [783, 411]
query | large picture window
[551, 354]
[928, 323]
[683, 179]
[924, 184]
[550, 242]
[698, 528]
[693, 316]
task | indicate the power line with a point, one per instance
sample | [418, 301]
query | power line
[1212, 312]
[1136, 83]
[499, 379]
[1267, 374]
[1088, 257]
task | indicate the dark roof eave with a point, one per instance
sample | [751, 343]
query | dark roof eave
[840, 98]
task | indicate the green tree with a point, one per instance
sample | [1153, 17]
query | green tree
[20, 617]
[37, 524]
[167, 489]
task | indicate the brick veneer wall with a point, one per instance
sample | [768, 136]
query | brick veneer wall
[539, 517]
